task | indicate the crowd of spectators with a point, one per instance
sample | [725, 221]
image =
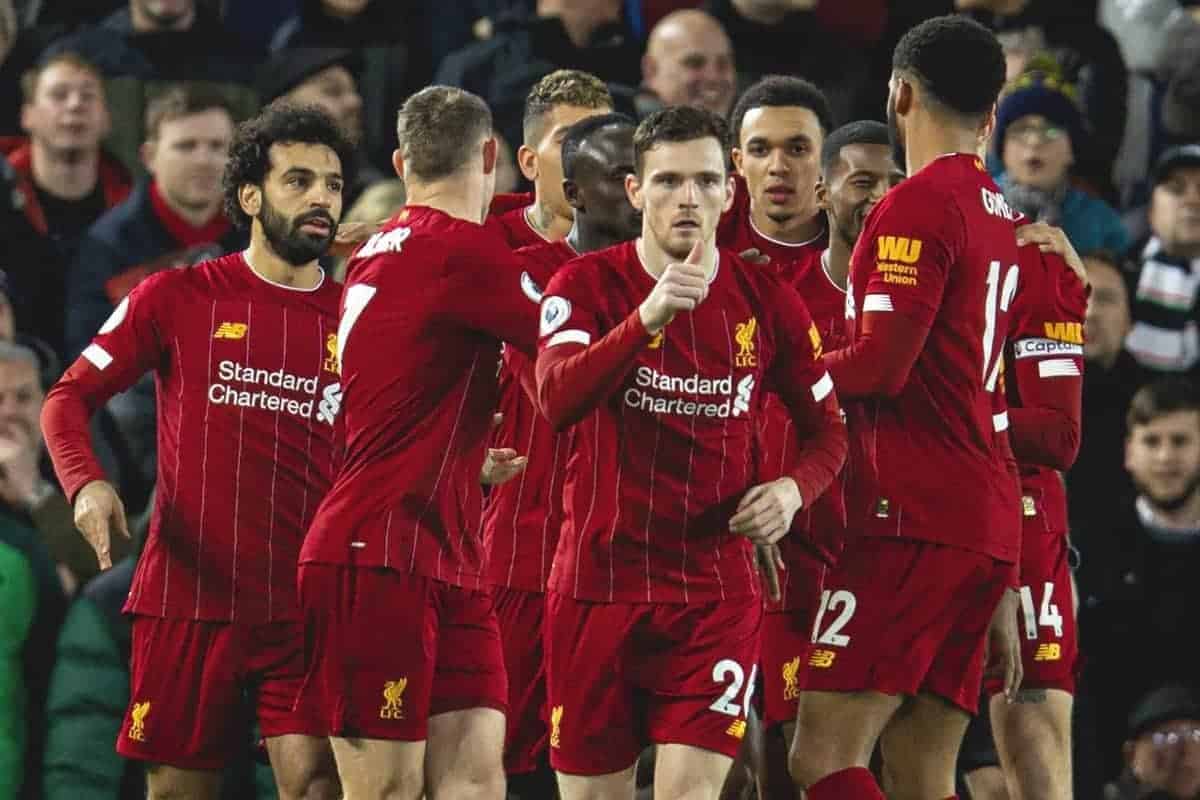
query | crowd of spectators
[115, 117]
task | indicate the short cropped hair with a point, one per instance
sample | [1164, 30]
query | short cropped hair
[438, 129]
[31, 77]
[1160, 398]
[863, 131]
[578, 133]
[677, 124]
[563, 87]
[774, 91]
[280, 122]
[182, 100]
[957, 60]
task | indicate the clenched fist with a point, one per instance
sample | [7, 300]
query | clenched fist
[682, 287]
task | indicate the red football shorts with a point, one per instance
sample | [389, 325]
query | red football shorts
[520, 614]
[1049, 642]
[904, 617]
[386, 650]
[620, 676]
[187, 680]
[787, 641]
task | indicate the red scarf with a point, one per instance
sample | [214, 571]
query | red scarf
[182, 231]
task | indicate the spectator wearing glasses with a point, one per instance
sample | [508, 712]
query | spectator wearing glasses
[1039, 132]
[1162, 751]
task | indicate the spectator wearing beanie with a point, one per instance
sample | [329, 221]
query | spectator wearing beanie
[1038, 132]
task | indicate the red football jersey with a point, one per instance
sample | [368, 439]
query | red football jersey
[939, 252]
[736, 232]
[819, 529]
[513, 224]
[428, 299]
[522, 519]
[1044, 385]
[248, 394]
[660, 464]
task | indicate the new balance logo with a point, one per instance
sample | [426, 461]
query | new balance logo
[1048, 652]
[231, 330]
[737, 729]
[822, 659]
[331, 403]
[741, 402]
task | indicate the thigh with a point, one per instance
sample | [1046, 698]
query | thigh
[1033, 738]
[469, 673]
[786, 648]
[684, 771]
[463, 752]
[520, 615]
[596, 726]
[699, 663]
[370, 651]
[185, 694]
[275, 662]
[920, 748]
[303, 766]
[1049, 641]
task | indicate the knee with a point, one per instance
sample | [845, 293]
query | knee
[308, 779]
[479, 782]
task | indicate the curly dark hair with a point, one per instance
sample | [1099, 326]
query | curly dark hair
[250, 150]
[677, 124]
[957, 60]
[578, 133]
[862, 131]
[781, 90]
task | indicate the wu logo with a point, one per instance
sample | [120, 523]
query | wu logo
[899, 248]
[393, 699]
[743, 334]
[137, 724]
[791, 679]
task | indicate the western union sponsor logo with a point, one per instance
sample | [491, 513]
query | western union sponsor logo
[898, 248]
[901, 274]
[1065, 331]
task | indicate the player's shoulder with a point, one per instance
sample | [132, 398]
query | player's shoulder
[204, 278]
[599, 267]
[1047, 279]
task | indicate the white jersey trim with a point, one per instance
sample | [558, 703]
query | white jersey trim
[1000, 421]
[573, 337]
[99, 357]
[877, 302]
[822, 388]
[1058, 368]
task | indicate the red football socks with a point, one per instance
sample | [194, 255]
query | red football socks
[856, 783]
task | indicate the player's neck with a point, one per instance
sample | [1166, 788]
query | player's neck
[545, 222]
[836, 260]
[797, 229]
[265, 263]
[1184, 518]
[931, 138]
[453, 197]
[583, 239]
[655, 259]
[68, 175]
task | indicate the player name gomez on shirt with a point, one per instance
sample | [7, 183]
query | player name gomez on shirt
[663, 449]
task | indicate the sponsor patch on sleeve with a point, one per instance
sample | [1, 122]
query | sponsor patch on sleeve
[555, 312]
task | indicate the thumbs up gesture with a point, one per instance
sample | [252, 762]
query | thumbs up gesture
[682, 287]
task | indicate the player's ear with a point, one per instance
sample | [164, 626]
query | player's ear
[903, 97]
[250, 198]
[147, 152]
[491, 154]
[633, 190]
[730, 188]
[398, 163]
[736, 156]
[527, 162]
[822, 194]
[571, 192]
